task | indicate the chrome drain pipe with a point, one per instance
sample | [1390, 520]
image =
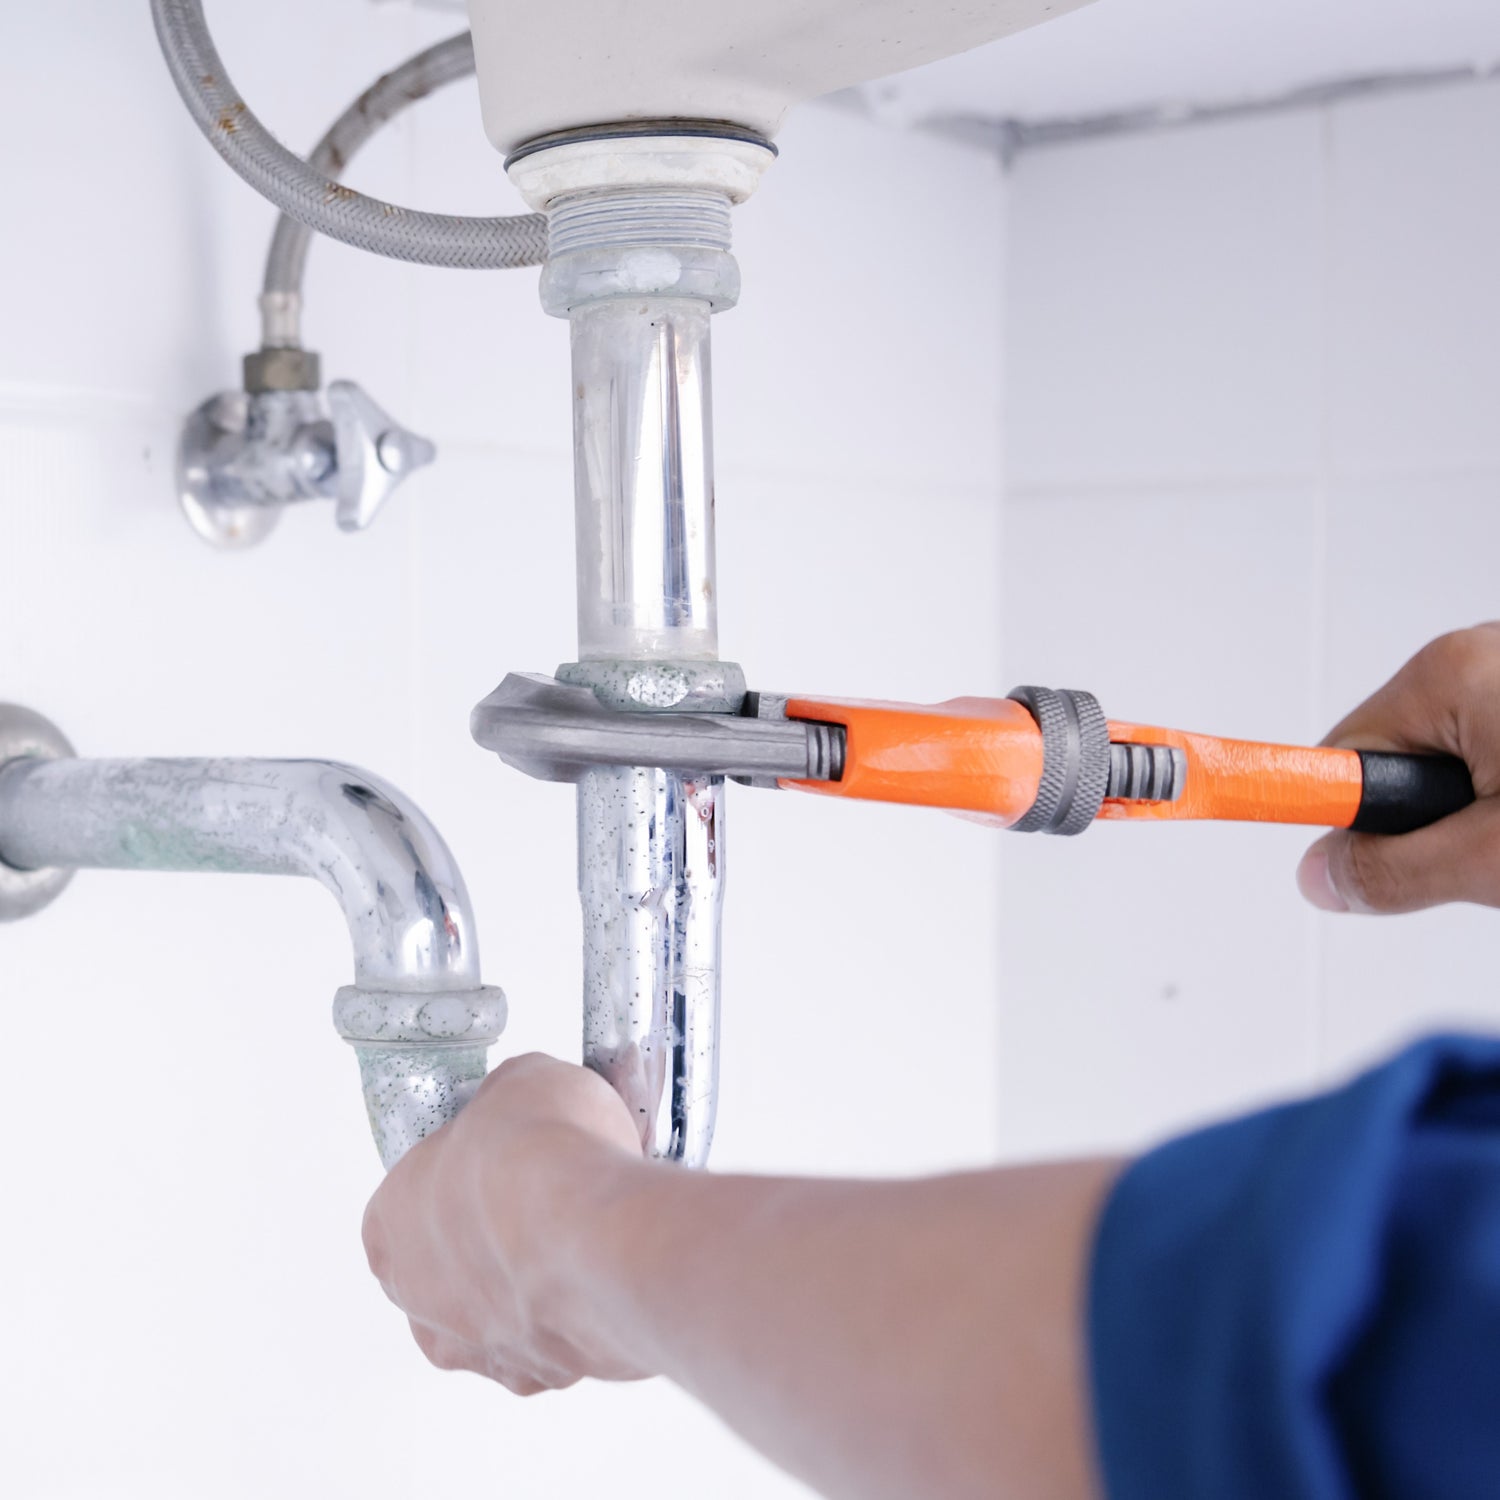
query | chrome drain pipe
[638, 261]
[420, 1021]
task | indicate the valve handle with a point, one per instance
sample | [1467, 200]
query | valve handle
[375, 453]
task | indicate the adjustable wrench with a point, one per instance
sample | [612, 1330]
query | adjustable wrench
[1039, 761]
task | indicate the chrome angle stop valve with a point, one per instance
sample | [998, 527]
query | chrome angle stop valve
[245, 455]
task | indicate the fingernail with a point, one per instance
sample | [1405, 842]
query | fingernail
[1315, 881]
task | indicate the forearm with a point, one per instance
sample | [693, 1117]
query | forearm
[903, 1339]
[909, 1338]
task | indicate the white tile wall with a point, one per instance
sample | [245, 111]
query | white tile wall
[888, 313]
[1414, 306]
[183, 1193]
[1165, 307]
[1308, 296]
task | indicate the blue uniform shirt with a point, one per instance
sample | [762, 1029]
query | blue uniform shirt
[1305, 1304]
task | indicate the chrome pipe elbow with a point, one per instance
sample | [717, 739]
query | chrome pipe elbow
[417, 1015]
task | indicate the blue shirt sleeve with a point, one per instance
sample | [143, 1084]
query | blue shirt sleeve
[1305, 1304]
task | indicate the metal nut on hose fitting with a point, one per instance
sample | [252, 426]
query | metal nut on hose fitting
[281, 369]
[1075, 759]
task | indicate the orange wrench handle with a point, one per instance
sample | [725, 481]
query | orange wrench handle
[988, 757]
[1246, 782]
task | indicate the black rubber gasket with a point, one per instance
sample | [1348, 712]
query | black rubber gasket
[711, 130]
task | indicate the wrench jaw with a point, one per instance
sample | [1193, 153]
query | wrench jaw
[558, 731]
[524, 721]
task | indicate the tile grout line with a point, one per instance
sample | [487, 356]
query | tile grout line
[1326, 474]
[1206, 485]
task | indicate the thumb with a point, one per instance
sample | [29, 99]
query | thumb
[1455, 859]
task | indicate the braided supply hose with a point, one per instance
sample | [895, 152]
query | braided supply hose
[387, 97]
[310, 194]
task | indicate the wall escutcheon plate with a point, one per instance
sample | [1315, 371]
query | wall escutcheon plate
[25, 735]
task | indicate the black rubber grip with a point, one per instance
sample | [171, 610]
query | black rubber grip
[1403, 792]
